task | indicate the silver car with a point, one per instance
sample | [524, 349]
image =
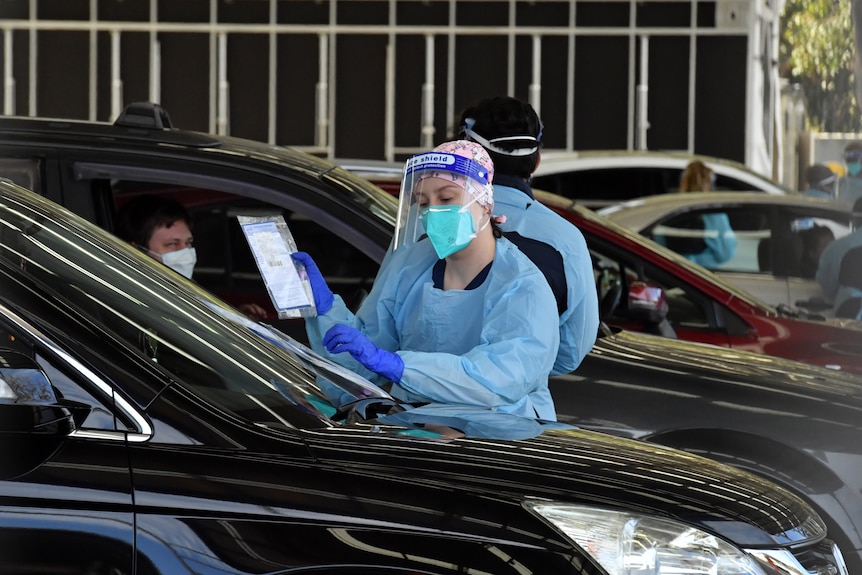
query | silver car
[597, 179]
[778, 238]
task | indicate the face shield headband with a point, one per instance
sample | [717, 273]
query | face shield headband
[470, 175]
[531, 142]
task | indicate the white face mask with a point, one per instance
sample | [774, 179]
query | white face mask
[181, 261]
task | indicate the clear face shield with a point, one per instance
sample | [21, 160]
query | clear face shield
[442, 196]
[853, 162]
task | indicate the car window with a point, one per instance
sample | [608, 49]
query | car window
[729, 184]
[227, 268]
[92, 407]
[688, 234]
[26, 172]
[114, 306]
[613, 276]
[225, 265]
[688, 308]
[770, 240]
[814, 233]
[604, 186]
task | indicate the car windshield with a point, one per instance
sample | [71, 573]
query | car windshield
[50, 258]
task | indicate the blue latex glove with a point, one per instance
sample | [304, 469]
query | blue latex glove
[323, 297]
[341, 338]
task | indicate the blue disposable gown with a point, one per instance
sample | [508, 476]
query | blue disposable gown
[579, 321]
[719, 239]
[849, 189]
[830, 265]
[492, 346]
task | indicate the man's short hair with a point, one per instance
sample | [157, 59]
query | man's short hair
[141, 216]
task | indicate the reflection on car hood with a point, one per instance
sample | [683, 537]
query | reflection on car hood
[704, 360]
[672, 392]
[473, 421]
[566, 465]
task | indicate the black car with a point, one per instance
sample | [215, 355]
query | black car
[800, 429]
[149, 429]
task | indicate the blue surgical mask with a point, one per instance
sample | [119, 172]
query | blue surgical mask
[853, 168]
[450, 228]
[181, 261]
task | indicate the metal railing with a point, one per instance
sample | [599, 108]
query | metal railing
[741, 18]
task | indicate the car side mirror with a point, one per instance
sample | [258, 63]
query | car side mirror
[647, 302]
[28, 404]
[33, 424]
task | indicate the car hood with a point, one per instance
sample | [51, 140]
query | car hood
[703, 360]
[579, 467]
[671, 392]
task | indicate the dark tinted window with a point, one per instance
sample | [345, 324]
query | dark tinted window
[687, 308]
[779, 241]
[601, 187]
[26, 172]
[225, 265]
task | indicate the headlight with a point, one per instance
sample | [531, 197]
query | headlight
[629, 543]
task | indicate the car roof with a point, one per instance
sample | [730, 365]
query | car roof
[70, 131]
[556, 162]
[649, 208]
[145, 129]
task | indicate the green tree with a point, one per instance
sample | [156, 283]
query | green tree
[818, 52]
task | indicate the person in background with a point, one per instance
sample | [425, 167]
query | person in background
[511, 133]
[829, 269]
[820, 181]
[161, 227]
[715, 242]
[850, 185]
[814, 241]
[459, 315]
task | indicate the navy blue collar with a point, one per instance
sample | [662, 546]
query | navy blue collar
[440, 268]
[514, 182]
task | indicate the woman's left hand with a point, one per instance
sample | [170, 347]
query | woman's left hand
[340, 338]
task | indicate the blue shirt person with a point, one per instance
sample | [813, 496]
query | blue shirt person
[829, 268]
[715, 242]
[458, 315]
[820, 181]
[850, 185]
[511, 133]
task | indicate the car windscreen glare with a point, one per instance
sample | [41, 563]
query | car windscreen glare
[252, 373]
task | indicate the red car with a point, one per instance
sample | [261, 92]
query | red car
[700, 306]
[693, 303]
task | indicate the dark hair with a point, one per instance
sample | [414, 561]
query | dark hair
[819, 176]
[499, 117]
[140, 217]
[496, 229]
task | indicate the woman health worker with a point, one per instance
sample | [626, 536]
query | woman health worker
[459, 315]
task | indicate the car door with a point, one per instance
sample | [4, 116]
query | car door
[765, 254]
[777, 248]
[692, 314]
[65, 501]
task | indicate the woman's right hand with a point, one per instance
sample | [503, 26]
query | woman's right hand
[323, 297]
